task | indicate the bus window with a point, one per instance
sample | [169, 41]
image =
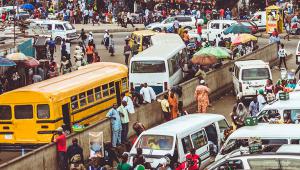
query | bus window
[124, 84]
[5, 112]
[90, 96]
[74, 102]
[98, 93]
[105, 90]
[112, 88]
[43, 111]
[23, 112]
[82, 99]
[148, 67]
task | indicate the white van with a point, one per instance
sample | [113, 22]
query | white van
[298, 51]
[59, 29]
[259, 18]
[178, 136]
[249, 76]
[289, 108]
[270, 135]
[158, 65]
[215, 27]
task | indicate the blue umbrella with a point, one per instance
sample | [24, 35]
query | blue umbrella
[27, 6]
[6, 62]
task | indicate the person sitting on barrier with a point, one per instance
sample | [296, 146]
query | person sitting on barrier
[73, 150]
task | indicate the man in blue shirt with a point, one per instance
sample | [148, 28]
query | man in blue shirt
[51, 47]
[116, 125]
[254, 107]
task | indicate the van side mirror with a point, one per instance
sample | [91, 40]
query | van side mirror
[230, 69]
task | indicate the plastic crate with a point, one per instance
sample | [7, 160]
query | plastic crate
[251, 121]
[284, 96]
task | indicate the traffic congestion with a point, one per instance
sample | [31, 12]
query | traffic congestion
[164, 85]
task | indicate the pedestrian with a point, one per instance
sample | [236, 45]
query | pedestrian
[63, 49]
[85, 16]
[109, 155]
[68, 50]
[176, 25]
[199, 30]
[83, 36]
[138, 129]
[192, 162]
[201, 96]
[135, 48]
[173, 103]
[96, 58]
[130, 106]
[261, 99]
[123, 165]
[106, 38]
[180, 31]
[61, 148]
[51, 47]
[228, 14]
[111, 45]
[115, 119]
[89, 52]
[138, 159]
[124, 120]
[241, 113]
[65, 66]
[75, 155]
[36, 77]
[186, 37]
[221, 13]
[152, 92]
[287, 29]
[165, 107]
[145, 93]
[282, 56]
[254, 107]
[127, 52]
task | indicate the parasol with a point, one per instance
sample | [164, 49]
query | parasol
[204, 60]
[4, 62]
[27, 7]
[237, 29]
[17, 57]
[243, 38]
[31, 62]
[216, 52]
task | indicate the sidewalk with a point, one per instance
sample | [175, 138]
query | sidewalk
[111, 27]
[265, 35]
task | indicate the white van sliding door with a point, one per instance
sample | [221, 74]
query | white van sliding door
[200, 143]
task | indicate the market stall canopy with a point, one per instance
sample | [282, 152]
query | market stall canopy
[243, 38]
[216, 52]
[237, 29]
[31, 62]
[17, 57]
[27, 6]
[4, 62]
[204, 60]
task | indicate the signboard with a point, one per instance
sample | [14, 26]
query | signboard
[96, 144]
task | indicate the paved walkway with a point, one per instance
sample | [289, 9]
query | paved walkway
[111, 27]
[265, 35]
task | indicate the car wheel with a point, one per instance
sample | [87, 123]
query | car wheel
[188, 27]
[157, 29]
[58, 40]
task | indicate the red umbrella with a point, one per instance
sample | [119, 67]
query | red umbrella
[31, 62]
[204, 60]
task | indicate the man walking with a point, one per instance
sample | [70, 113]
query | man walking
[124, 120]
[116, 125]
[201, 96]
[127, 52]
[282, 56]
[51, 47]
[254, 107]
[61, 147]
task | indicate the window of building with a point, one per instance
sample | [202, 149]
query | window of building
[98, 93]
[23, 112]
[74, 102]
[43, 111]
[199, 139]
[82, 99]
[105, 90]
[90, 96]
[5, 112]
[112, 88]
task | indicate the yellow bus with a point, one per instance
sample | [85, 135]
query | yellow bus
[142, 38]
[30, 114]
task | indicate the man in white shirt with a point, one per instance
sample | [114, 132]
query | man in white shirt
[124, 120]
[282, 55]
[146, 94]
[130, 106]
[152, 93]
[261, 99]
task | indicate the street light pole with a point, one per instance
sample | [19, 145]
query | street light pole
[14, 23]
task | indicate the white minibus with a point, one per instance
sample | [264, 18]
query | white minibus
[271, 135]
[178, 136]
[158, 65]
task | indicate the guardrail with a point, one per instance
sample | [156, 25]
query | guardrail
[150, 114]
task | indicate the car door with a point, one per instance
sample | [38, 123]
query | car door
[200, 143]
[235, 79]
[213, 31]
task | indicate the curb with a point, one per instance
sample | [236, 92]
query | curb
[264, 35]
[110, 30]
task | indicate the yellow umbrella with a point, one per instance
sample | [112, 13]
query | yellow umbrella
[17, 57]
[248, 37]
[243, 38]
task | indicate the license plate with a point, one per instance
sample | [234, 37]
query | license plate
[8, 136]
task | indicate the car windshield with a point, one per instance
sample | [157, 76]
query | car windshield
[155, 142]
[68, 26]
[155, 66]
[255, 74]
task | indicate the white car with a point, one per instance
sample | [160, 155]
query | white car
[215, 27]
[258, 161]
[259, 18]
[186, 21]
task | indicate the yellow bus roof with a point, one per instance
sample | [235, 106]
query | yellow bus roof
[76, 80]
[144, 32]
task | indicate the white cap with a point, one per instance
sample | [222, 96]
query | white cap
[202, 82]
[59, 129]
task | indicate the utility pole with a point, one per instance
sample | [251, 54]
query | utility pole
[14, 23]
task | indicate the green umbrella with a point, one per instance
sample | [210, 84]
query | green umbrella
[217, 52]
[237, 29]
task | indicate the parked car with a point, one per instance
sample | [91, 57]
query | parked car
[259, 18]
[250, 24]
[187, 22]
[215, 27]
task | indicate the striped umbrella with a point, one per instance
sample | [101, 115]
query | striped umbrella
[17, 57]
[4, 62]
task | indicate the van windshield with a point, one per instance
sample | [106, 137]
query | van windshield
[155, 142]
[148, 67]
[69, 26]
[255, 74]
